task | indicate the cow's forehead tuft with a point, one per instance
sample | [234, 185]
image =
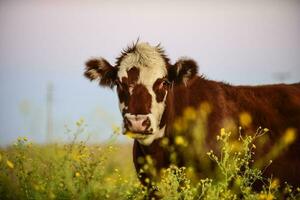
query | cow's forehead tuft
[148, 59]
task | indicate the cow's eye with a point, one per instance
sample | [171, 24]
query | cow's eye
[164, 84]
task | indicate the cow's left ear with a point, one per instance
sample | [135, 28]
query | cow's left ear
[101, 70]
[182, 71]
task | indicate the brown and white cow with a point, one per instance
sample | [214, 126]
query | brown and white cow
[153, 93]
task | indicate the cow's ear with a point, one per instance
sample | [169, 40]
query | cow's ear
[101, 70]
[182, 71]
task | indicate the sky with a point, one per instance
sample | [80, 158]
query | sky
[47, 42]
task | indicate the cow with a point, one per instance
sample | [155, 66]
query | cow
[153, 93]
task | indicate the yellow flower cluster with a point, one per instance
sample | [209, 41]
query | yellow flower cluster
[264, 196]
[10, 164]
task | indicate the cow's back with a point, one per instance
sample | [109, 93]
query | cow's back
[276, 107]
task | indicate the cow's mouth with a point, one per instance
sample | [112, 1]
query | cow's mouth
[137, 135]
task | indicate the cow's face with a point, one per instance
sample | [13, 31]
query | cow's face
[143, 77]
[142, 88]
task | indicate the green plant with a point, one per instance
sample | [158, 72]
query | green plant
[105, 171]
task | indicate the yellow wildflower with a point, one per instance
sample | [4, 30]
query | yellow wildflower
[205, 108]
[274, 183]
[180, 125]
[80, 122]
[10, 164]
[266, 129]
[145, 167]
[164, 142]
[270, 197]
[77, 174]
[110, 147]
[289, 136]
[245, 119]
[210, 153]
[262, 196]
[238, 181]
[149, 159]
[147, 180]
[180, 141]
[189, 114]
[223, 131]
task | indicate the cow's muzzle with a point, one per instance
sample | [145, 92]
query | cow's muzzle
[139, 124]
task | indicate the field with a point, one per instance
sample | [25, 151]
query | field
[105, 171]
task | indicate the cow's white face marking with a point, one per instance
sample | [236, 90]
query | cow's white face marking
[151, 66]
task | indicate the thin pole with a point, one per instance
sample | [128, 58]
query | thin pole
[49, 137]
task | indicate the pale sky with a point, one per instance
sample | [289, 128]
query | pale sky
[240, 42]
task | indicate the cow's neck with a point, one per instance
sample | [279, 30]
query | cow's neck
[179, 98]
[155, 150]
[182, 96]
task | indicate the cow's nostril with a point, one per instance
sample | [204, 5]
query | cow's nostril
[146, 122]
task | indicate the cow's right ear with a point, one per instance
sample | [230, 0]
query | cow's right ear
[182, 71]
[101, 70]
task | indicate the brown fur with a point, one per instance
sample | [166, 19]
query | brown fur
[125, 83]
[139, 94]
[133, 76]
[160, 88]
[276, 107]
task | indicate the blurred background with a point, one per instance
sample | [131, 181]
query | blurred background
[44, 45]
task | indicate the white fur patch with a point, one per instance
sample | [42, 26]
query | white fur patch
[148, 60]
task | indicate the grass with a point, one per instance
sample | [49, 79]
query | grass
[80, 171]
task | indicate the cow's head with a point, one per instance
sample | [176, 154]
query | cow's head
[143, 76]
